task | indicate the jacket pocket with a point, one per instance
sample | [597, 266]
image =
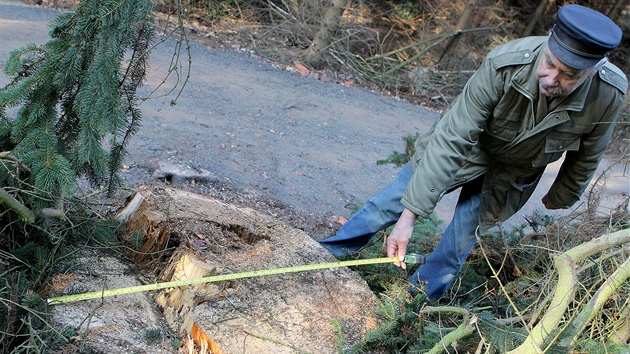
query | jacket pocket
[570, 128]
[554, 148]
[556, 144]
[518, 195]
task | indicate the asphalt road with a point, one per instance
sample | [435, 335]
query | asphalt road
[311, 144]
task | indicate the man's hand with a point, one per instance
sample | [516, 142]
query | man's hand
[401, 235]
[547, 203]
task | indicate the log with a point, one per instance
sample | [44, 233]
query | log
[177, 303]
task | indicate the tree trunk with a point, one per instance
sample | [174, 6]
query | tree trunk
[323, 37]
[463, 22]
[540, 10]
[616, 10]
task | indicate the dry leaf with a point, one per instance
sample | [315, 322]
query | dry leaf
[517, 271]
[57, 284]
[339, 219]
[297, 172]
[303, 69]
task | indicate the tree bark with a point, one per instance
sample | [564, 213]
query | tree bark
[615, 11]
[323, 37]
[466, 328]
[596, 303]
[27, 216]
[463, 22]
[540, 10]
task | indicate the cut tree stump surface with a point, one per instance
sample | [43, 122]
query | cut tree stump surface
[271, 314]
[276, 314]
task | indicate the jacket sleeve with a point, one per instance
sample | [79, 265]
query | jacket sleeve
[579, 166]
[445, 147]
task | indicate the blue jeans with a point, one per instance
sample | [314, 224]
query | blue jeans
[384, 209]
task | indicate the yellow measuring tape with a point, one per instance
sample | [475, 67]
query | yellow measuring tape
[410, 258]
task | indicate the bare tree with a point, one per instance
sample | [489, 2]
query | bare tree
[540, 11]
[323, 37]
[463, 22]
[615, 11]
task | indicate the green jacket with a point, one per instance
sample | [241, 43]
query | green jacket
[491, 129]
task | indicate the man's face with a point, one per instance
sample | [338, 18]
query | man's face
[556, 79]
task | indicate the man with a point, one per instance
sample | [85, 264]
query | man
[531, 101]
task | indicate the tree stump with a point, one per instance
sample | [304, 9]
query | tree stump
[271, 314]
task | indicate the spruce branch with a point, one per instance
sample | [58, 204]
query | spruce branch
[10, 202]
[22, 60]
[466, 328]
[75, 95]
[6, 155]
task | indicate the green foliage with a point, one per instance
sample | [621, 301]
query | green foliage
[399, 329]
[75, 97]
[342, 340]
[29, 255]
[595, 347]
[406, 10]
[75, 110]
[401, 158]
[508, 275]
[137, 240]
[379, 277]
[34, 256]
[152, 335]
[176, 343]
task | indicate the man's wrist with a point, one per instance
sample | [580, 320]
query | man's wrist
[408, 217]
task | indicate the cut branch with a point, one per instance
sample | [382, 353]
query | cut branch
[466, 328]
[10, 202]
[608, 289]
[566, 266]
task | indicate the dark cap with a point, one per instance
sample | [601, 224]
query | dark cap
[582, 36]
